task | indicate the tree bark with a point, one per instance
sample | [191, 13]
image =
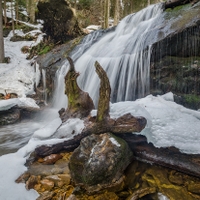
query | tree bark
[32, 11]
[116, 12]
[5, 15]
[1, 36]
[106, 13]
[79, 102]
[104, 94]
[16, 11]
[13, 24]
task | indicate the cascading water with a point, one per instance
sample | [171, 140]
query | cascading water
[124, 54]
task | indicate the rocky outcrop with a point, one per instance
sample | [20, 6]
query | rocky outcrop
[53, 181]
[175, 59]
[98, 163]
[60, 23]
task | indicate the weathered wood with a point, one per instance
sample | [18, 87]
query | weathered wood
[78, 107]
[122, 125]
[79, 102]
[104, 94]
[169, 157]
[142, 150]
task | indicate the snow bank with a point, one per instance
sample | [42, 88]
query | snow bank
[19, 76]
[168, 123]
[21, 102]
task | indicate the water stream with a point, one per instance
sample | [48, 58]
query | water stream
[124, 53]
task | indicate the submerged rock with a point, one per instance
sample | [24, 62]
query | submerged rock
[99, 161]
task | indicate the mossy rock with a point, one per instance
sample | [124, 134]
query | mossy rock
[99, 161]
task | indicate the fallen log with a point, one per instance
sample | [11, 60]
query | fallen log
[174, 3]
[169, 157]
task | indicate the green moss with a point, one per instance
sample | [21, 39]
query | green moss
[192, 99]
[44, 50]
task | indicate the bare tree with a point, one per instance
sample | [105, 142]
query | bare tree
[12, 16]
[106, 13]
[16, 11]
[116, 12]
[1, 35]
[30, 7]
[5, 15]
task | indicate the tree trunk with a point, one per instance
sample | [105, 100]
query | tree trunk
[102, 12]
[106, 13]
[32, 11]
[5, 15]
[13, 24]
[16, 11]
[116, 12]
[1, 35]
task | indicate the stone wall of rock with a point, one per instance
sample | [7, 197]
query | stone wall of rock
[175, 59]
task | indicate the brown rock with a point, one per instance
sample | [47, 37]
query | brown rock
[51, 159]
[46, 196]
[47, 185]
[32, 181]
[23, 178]
[176, 178]
[194, 188]
[65, 179]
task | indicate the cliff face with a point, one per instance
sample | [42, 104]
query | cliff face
[175, 59]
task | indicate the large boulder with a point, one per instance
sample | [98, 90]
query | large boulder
[60, 23]
[99, 162]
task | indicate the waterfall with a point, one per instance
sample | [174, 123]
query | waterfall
[124, 53]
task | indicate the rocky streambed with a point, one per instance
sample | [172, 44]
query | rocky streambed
[51, 177]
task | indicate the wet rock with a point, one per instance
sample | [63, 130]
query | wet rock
[40, 169]
[32, 181]
[46, 196]
[60, 179]
[176, 178]
[47, 184]
[23, 178]
[99, 160]
[141, 193]
[51, 159]
[194, 188]
[10, 116]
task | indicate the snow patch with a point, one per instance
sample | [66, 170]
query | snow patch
[114, 142]
[70, 128]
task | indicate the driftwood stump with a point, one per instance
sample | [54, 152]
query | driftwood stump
[80, 105]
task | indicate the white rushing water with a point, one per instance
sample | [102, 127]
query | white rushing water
[124, 54]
